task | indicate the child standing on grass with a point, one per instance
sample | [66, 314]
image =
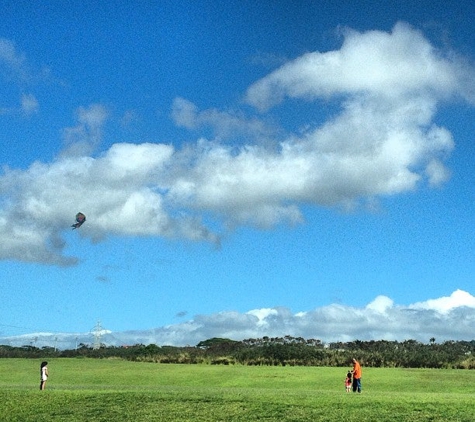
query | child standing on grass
[348, 382]
[43, 375]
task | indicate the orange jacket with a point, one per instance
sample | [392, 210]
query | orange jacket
[356, 370]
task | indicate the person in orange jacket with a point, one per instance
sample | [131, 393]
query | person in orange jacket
[356, 376]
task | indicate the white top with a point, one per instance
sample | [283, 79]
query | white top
[44, 377]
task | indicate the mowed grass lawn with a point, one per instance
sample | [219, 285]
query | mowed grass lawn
[116, 390]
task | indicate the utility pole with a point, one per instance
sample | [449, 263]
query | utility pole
[97, 336]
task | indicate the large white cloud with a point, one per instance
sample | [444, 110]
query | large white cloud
[384, 141]
[446, 318]
[445, 305]
[395, 66]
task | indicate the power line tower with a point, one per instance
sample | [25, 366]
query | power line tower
[97, 336]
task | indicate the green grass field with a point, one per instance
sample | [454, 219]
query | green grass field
[116, 390]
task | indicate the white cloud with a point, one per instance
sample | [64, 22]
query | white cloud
[184, 113]
[262, 314]
[29, 104]
[380, 319]
[446, 318]
[86, 136]
[393, 66]
[384, 141]
[381, 304]
[444, 305]
[224, 125]
[437, 173]
[14, 61]
[15, 67]
[122, 185]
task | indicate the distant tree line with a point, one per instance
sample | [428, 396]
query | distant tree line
[280, 351]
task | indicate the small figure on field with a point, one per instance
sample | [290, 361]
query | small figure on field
[356, 376]
[43, 375]
[348, 382]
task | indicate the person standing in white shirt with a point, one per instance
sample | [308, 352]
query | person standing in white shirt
[43, 375]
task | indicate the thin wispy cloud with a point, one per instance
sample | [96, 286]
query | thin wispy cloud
[225, 125]
[84, 138]
[29, 104]
[13, 62]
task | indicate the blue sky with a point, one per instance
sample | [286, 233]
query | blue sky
[246, 169]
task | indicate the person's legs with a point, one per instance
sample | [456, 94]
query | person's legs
[358, 385]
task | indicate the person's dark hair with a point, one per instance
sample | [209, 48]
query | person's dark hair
[43, 364]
